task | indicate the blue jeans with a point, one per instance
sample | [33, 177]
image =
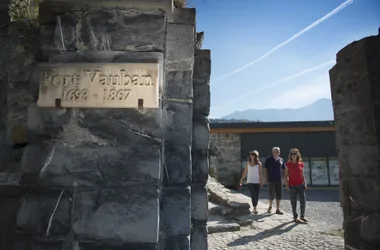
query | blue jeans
[295, 192]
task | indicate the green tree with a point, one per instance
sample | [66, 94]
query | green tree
[24, 10]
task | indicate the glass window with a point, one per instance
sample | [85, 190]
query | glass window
[319, 173]
[306, 169]
[334, 171]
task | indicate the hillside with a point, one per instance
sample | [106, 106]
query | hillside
[316, 111]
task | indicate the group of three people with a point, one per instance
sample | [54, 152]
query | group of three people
[275, 172]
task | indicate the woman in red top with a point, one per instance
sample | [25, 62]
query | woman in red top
[296, 183]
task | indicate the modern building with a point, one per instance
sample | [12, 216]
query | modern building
[231, 143]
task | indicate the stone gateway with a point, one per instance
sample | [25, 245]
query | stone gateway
[105, 137]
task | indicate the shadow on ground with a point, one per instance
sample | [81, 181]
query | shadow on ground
[278, 230]
[311, 194]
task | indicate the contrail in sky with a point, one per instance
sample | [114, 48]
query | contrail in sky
[300, 33]
[275, 83]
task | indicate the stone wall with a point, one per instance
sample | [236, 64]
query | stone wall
[4, 12]
[18, 61]
[226, 159]
[76, 178]
[355, 88]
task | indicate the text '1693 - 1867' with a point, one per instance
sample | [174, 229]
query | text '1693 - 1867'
[99, 85]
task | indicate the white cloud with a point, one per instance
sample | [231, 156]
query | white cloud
[304, 94]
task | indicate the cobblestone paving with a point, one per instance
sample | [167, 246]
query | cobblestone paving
[279, 232]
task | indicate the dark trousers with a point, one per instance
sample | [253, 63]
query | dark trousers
[254, 189]
[295, 192]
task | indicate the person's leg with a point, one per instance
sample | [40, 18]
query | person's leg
[302, 195]
[278, 197]
[293, 201]
[256, 188]
[252, 192]
[270, 195]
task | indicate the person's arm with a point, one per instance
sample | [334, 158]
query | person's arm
[283, 167]
[304, 177]
[265, 172]
[287, 178]
[244, 174]
[261, 174]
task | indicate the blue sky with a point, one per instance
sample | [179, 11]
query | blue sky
[240, 31]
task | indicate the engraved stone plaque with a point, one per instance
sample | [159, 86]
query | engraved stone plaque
[99, 85]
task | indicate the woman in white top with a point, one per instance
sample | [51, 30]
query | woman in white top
[254, 170]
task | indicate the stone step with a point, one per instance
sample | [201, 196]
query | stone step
[214, 209]
[231, 202]
[215, 227]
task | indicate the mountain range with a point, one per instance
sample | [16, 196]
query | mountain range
[320, 110]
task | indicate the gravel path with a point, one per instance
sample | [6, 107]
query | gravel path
[322, 207]
[279, 232]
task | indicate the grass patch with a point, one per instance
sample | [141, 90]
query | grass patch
[180, 3]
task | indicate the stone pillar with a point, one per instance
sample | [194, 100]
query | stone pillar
[178, 113]
[355, 89]
[94, 175]
[17, 62]
[200, 149]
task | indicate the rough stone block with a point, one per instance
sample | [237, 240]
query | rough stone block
[184, 16]
[35, 156]
[350, 162]
[180, 242]
[119, 215]
[202, 67]
[199, 203]
[35, 120]
[65, 31]
[352, 132]
[201, 134]
[45, 213]
[114, 246]
[10, 173]
[178, 123]
[141, 32]
[4, 14]
[24, 242]
[45, 123]
[177, 166]
[199, 237]
[179, 84]
[123, 126]
[96, 166]
[201, 100]
[46, 40]
[50, 8]
[200, 169]
[10, 153]
[175, 211]
[106, 57]
[21, 66]
[359, 186]
[370, 230]
[8, 216]
[179, 47]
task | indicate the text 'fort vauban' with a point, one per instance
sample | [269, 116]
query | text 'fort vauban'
[99, 85]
